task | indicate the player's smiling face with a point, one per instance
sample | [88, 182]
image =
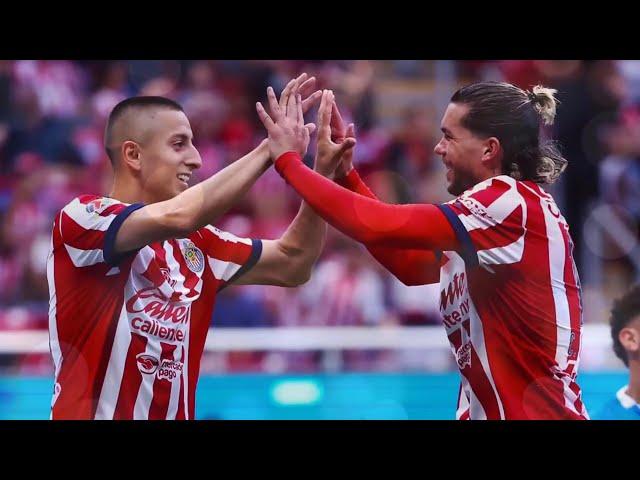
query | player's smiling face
[168, 156]
[460, 149]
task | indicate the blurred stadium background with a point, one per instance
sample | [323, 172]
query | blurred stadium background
[353, 342]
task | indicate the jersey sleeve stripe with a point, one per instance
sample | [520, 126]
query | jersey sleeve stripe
[468, 250]
[110, 238]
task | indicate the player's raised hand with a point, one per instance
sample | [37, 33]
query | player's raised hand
[285, 126]
[331, 147]
[305, 89]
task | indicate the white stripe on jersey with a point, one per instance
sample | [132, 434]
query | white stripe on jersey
[477, 340]
[185, 371]
[463, 401]
[84, 258]
[174, 267]
[498, 211]
[78, 212]
[145, 394]
[174, 398]
[557, 257]
[223, 270]
[54, 343]
[511, 253]
[561, 304]
[227, 236]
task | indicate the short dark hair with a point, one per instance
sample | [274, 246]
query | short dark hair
[141, 102]
[624, 310]
[513, 115]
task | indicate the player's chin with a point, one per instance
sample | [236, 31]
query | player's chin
[454, 188]
[181, 186]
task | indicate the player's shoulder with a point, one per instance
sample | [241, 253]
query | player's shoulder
[213, 232]
[493, 197]
[92, 204]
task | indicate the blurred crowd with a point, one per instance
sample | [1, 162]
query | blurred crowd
[52, 117]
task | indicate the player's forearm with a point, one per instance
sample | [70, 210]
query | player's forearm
[369, 221]
[207, 201]
[410, 266]
[304, 239]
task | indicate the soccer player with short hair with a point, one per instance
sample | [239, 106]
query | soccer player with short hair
[133, 276]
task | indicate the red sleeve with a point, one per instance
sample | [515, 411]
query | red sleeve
[228, 256]
[410, 266]
[364, 219]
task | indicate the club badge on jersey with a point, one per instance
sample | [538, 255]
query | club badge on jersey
[193, 256]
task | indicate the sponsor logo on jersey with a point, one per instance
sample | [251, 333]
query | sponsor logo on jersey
[147, 363]
[463, 355]
[98, 205]
[453, 292]
[156, 305]
[166, 274]
[169, 370]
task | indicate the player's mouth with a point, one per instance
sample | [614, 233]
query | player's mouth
[184, 178]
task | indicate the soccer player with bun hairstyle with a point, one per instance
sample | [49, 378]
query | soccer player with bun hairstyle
[501, 250]
[133, 276]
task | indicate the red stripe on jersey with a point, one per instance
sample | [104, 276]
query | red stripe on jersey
[573, 386]
[82, 344]
[113, 210]
[85, 199]
[153, 273]
[162, 386]
[131, 379]
[190, 278]
[458, 208]
[507, 232]
[536, 188]
[491, 193]
[544, 390]
[77, 236]
[227, 251]
[479, 383]
[455, 338]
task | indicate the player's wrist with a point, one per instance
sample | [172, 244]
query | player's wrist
[286, 158]
[342, 173]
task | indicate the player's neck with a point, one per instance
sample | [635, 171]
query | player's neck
[487, 174]
[126, 190]
[634, 380]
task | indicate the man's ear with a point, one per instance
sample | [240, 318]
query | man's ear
[491, 153]
[131, 154]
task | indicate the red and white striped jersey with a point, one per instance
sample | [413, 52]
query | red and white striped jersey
[511, 304]
[127, 332]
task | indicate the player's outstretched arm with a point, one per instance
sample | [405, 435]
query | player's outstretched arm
[205, 202]
[364, 219]
[410, 266]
